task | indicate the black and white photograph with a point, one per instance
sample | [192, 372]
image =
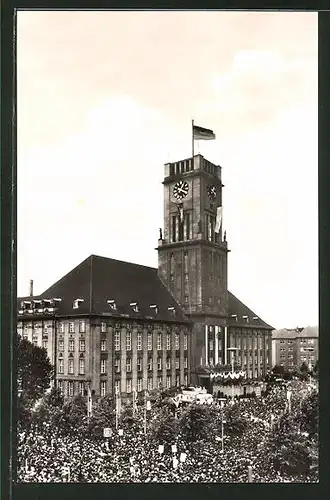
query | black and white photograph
[167, 247]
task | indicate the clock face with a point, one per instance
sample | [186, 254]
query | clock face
[180, 190]
[212, 192]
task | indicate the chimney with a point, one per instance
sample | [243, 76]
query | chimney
[31, 288]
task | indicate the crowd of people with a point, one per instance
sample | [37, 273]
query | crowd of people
[48, 456]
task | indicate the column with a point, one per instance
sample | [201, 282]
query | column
[226, 344]
[216, 345]
[206, 345]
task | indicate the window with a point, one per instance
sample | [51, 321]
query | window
[211, 361]
[82, 327]
[117, 386]
[45, 344]
[117, 365]
[82, 345]
[211, 345]
[128, 365]
[103, 388]
[71, 345]
[159, 382]
[117, 341]
[103, 345]
[177, 342]
[159, 342]
[168, 364]
[71, 327]
[139, 364]
[187, 226]
[128, 385]
[70, 388]
[150, 384]
[81, 366]
[177, 363]
[149, 342]
[35, 340]
[159, 363]
[60, 366]
[103, 327]
[82, 388]
[168, 382]
[185, 362]
[128, 341]
[168, 341]
[186, 279]
[61, 327]
[282, 341]
[173, 228]
[185, 342]
[70, 366]
[60, 386]
[177, 380]
[149, 364]
[103, 365]
[310, 341]
[139, 384]
[139, 341]
[289, 341]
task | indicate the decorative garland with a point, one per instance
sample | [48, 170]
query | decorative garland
[227, 375]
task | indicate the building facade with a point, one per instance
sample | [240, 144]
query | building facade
[293, 347]
[116, 326]
[138, 340]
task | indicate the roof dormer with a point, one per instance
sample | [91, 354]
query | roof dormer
[135, 307]
[77, 303]
[155, 308]
[112, 304]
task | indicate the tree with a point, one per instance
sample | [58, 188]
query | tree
[278, 370]
[49, 410]
[197, 423]
[72, 420]
[34, 369]
[165, 428]
[34, 373]
[287, 450]
[103, 416]
[308, 414]
[235, 424]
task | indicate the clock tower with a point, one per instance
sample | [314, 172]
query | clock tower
[192, 253]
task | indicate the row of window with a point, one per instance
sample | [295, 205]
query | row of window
[74, 388]
[81, 370]
[117, 364]
[117, 342]
[239, 361]
[181, 232]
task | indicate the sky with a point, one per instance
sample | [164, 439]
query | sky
[106, 98]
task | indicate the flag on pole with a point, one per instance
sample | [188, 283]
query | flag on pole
[218, 221]
[202, 134]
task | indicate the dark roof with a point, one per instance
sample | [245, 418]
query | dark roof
[236, 307]
[98, 279]
[296, 333]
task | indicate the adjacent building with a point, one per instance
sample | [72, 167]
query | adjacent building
[113, 325]
[292, 347]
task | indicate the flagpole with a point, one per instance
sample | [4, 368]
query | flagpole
[192, 137]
